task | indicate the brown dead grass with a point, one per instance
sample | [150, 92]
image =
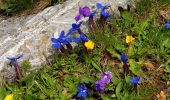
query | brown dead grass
[37, 7]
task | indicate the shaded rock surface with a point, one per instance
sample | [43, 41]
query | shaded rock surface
[31, 35]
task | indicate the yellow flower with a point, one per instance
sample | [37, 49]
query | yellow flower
[9, 97]
[161, 96]
[89, 44]
[129, 39]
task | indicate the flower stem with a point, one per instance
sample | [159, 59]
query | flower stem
[103, 21]
[135, 88]
[92, 24]
[126, 68]
[17, 70]
[63, 50]
[79, 31]
[69, 46]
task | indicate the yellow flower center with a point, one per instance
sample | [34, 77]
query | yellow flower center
[89, 44]
[9, 97]
[129, 39]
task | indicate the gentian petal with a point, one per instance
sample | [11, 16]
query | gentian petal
[134, 80]
[124, 58]
[78, 40]
[68, 40]
[79, 94]
[83, 37]
[56, 45]
[77, 18]
[105, 14]
[99, 5]
[74, 26]
[62, 34]
[84, 94]
[69, 32]
[79, 88]
[19, 56]
[83, 86]
[54, 40]
[167, 25]
[106, 6]
[11, 59]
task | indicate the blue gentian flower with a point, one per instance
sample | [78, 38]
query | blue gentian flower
[167, 25]
[134, 80]
[14, 59]
[63, 39]
[124, 58]
[100, 6]
[103, 9]
[82, 91]
[76, 26]
[93, 14]
[16, 65]
[82, 38]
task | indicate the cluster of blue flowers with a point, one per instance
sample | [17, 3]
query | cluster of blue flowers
[64, 39]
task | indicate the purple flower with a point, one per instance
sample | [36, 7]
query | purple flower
[106, 77]
[100, 86]
[85, 11]
[78, 17]
[134, 80]
[124, 58]
[83, 91]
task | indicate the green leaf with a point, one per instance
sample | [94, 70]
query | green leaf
[118, 90]
[2, 93]
[96, 66]
[131, 50]
[166, 43]
[127, 78]
[115, 80]
[167, 69]
[135, 67]
[127, 16]
[4, 6]
[87, 79]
